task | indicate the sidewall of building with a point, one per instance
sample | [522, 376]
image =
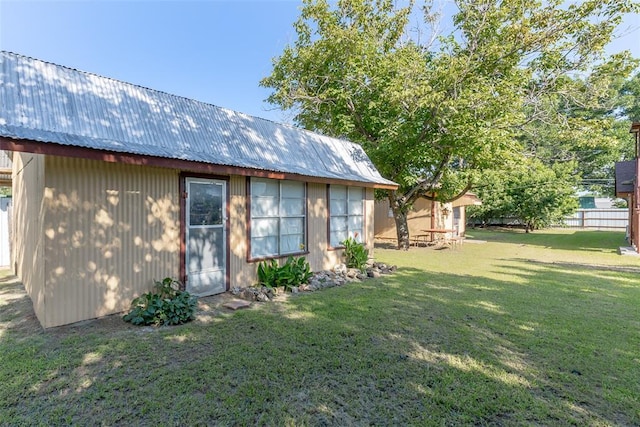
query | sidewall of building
[109, 231]
[27, 243]
[93, 235]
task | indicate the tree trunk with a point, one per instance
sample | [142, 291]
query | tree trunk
[399, 210]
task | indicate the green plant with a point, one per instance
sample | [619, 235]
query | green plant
[294, 272]
[355, 253]
[166, 305]
[268, 273]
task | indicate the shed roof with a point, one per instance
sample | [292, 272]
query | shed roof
[49, 103]
[625, 177]
[469, 199]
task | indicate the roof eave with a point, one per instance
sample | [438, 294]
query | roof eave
[56, 149]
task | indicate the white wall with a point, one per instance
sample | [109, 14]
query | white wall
[5, 248]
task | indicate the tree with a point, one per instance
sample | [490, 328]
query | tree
[536, 194]
[630, 92]
[596, 134]
[532, 192]
[433, 114]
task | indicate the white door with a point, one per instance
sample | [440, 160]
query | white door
[206, 236]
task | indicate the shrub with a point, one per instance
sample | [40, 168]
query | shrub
[293, 273]
[166, 305]
[355, 253]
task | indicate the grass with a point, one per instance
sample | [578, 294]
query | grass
[537, 329]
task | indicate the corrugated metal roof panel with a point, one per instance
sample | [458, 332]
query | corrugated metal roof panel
[51, 103]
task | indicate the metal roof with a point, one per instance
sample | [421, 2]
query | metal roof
[49, 103]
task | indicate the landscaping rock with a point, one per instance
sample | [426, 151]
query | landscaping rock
[339, 275]
[248, 294]
[237, 304]
[340, 269]
[352, 272]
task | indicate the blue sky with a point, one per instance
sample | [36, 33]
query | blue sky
[212, 51]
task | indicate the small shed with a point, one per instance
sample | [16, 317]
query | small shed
[425, 215]
[115, 185]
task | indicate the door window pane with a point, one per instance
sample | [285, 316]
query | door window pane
[205, 249]
[205, 204]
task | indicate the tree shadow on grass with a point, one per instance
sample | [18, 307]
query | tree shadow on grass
[416, 347]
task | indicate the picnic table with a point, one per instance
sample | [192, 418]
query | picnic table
[444, 236]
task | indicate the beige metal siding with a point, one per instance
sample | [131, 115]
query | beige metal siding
[27, 190]
[384, 225]
[369, 221]
[241, 273]
[319, 257]
[109, 230]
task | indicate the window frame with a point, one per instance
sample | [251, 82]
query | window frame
[330, 215]
[279, 217]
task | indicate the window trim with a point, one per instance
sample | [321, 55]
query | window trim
[250, 258]
[364, 215]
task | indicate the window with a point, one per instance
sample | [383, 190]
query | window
[346, 205]
[278, 214]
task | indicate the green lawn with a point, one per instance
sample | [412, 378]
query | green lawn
[537, 329]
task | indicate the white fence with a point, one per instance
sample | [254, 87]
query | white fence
[5, 219]
[601, 219]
